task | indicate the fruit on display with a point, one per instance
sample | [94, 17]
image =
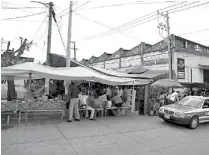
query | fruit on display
[15, 106]
[11, 106]
[45, 105]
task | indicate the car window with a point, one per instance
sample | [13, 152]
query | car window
[206, 103]
[191, 102]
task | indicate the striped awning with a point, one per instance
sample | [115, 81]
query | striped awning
[203, 66]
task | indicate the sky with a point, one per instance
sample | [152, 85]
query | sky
[92, 18]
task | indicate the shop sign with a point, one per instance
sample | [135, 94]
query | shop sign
[180, 68]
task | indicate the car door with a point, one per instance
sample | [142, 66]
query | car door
[204, 117]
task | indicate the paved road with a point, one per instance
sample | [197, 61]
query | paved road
[124, 135]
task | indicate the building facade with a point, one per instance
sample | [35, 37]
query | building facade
[190, 60]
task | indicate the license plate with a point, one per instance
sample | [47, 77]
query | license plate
[167, 116]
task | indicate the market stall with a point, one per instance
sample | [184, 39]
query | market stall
[35, 71]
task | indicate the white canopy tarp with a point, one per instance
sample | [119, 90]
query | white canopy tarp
[114, 73]
[21, 71]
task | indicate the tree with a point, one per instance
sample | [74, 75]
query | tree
[11, 57]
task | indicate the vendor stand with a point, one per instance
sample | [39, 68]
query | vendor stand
[162, 85]
[35, 71]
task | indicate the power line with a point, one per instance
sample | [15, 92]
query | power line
[60, 36]
[14, 4]
[75, 8]
[60, 14]
[59, 31]
[17, 8]
[24, 16]
[153, 17]
[104, 25]
[128, 3]
[190, 7]
[39, 28]
[20, 10]
[183, 6]
[42, 35]
[82, 5]
[133, 21]
[196, 31]
[126, 26]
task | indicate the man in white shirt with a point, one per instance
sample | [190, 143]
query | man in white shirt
[174, 97]
[83, 102]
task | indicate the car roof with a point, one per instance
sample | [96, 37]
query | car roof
[200, 97]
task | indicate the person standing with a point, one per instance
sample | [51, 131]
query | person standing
[108, 92]
[73, 93]
[125, 94]
[162, 99]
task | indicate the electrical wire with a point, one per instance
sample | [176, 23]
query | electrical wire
[133, 25]
[39, 28]
[103, 25]
[14, 4]
[22, 8]
[196, 31]
[128, 3]
[42, 35]
[125, 26]
[132, 22]
[82, 5]
[24, 16]
[190, 7]
[60, 14]
[60, 36]
[183, 6]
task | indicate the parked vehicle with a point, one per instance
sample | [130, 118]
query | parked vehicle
[191, 111]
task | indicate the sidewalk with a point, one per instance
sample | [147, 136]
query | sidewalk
[124, 135]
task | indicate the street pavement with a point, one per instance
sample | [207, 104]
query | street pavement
[123, 135]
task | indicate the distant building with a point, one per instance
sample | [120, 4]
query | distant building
[190, 59]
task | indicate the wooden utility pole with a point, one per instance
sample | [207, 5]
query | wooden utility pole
[48, 58]
[166, 27]
[48, 61]
[69, 44]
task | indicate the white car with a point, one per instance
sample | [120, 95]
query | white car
[190, 111]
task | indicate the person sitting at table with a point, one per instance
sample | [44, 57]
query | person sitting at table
[109, 102]
[83, 99]
[116, 100]
[103, 97]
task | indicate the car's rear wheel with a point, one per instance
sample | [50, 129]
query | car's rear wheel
[194, 122]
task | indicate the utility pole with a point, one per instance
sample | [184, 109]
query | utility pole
[50, 6]
[68, 44]
[48, 61]
[166, 27]
[75, 49]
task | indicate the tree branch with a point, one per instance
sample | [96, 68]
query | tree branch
[6, 54]
[20, 51]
